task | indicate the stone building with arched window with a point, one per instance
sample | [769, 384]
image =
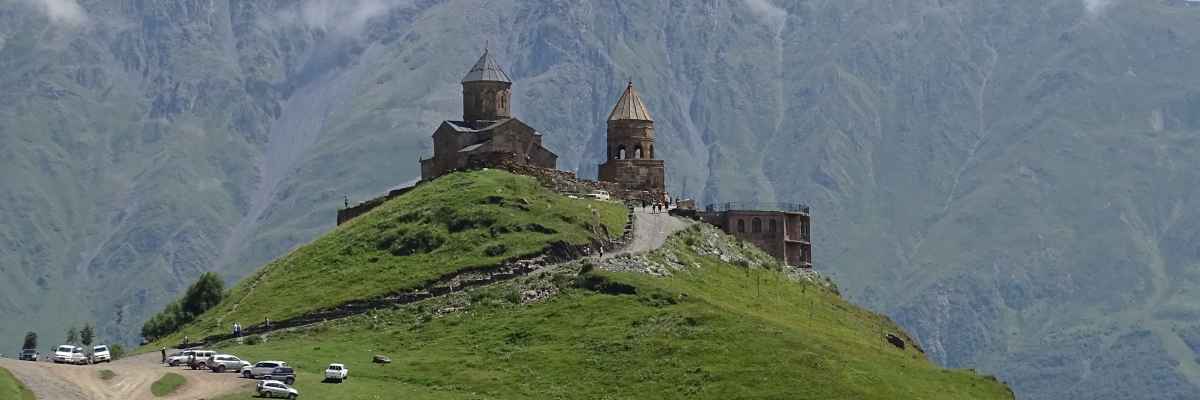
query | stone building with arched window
[630, 156]
[488, 134]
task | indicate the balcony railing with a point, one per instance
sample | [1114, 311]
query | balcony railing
[759, 206]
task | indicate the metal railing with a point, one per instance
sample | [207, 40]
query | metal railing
[759, 206]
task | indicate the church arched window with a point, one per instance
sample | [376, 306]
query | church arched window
[637, 152]
[741, 226]
[756, 226]
[621, 152]
[772, 226]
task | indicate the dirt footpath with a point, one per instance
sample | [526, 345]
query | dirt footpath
[651, 230]
[50, 381]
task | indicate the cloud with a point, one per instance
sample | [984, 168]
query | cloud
[65, 12]
[1096, 7]
[770, 13]
[347, 17]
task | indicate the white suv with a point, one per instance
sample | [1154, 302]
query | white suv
[262, 368]
[226, 362]
[68, 354]
[101, 354]
[336, 373]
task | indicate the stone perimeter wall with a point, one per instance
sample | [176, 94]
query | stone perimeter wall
[553, 179]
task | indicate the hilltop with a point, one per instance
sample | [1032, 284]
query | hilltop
[439, 234]
[704, 316]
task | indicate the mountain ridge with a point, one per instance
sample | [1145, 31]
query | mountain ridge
[1002, 227]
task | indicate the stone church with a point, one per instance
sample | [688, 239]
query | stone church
[630, 161]
[488, 134]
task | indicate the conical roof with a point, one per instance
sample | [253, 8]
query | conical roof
[630, 107]
[486, 70]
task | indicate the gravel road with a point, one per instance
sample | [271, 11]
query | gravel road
[50, 381]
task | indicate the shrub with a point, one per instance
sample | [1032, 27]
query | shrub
[601, 284]
[495, 250]
[252, 340]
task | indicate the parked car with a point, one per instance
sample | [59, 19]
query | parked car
[600, 195]
[28, 355]
[201, 359]
[336, 372]
[226, 362]
[68, 354]
[101, 354]
[261, 369]
[276, 389]
[283, 374]
[178, 358]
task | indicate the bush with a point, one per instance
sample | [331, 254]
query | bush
[252, 340]
[602, 284]
[206, 293]
[495, 250]
[405, 242]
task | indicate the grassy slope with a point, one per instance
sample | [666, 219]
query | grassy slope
[709, 332]
[468, 213]
[11, 388]
[169, 383]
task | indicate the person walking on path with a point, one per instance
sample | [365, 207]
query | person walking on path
[164, 354]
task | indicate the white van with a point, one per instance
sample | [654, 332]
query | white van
[101, 354]
[68, 354]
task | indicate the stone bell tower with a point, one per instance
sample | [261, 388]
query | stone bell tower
[487, 91]
[630, 160]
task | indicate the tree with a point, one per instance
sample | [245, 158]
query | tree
[72, 335]
[203, 295]
[87, 334]
[30, 341]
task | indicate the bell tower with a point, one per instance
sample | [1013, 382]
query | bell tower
[630, 157]
[487, 91]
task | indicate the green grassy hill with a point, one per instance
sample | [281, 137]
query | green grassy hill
[711, 330]
[739, 328]
[461, 222]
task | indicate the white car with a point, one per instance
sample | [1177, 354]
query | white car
[179, 358]
[226, 362]
[600, 195]
[261, 368]
[276, 389]
[68, 354]
[101, 354]
[336, 372]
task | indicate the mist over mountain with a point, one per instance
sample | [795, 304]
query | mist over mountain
[1014, 182]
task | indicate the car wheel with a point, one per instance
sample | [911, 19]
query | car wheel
[246, 374]
[292, 396]
[290, 381]
[220, 368]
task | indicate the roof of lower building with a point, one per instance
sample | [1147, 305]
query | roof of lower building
[475, 146]
[486, 70]
[630, 107]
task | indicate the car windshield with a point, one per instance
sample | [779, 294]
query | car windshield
[65, 349]
[100, 348]
[335, 368]
[29, 351]
[77, 350]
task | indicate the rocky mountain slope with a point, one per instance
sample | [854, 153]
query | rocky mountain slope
[1012, 181]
